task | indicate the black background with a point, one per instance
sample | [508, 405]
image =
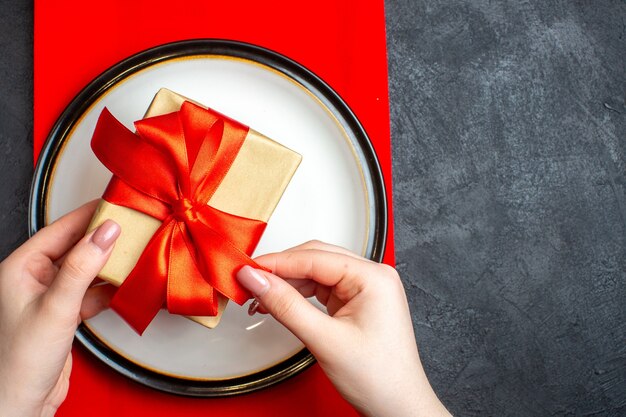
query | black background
[509, 138]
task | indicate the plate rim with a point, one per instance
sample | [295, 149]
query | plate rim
[293, 70]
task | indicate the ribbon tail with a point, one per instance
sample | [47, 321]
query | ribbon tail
[188, 293]
[143, 293]
[220, 271]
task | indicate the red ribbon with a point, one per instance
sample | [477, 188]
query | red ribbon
[169, 170]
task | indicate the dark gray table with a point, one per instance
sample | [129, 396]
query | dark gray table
[509, 135]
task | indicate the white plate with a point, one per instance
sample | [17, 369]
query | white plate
[336, 196]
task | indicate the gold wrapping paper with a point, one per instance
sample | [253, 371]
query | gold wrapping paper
[252, 188]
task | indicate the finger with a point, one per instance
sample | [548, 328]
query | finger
[81, 266]
[319, 245]
[285, 303]
[303, 286]
[41, 269]
[96, 300]
[307, 288]
[346, 273]
[58, 237]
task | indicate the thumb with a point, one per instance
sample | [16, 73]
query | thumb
[284, 303]
[80, 267]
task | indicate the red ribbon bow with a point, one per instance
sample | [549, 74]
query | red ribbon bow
[169, 170]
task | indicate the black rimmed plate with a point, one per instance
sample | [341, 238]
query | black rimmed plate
[337, 196]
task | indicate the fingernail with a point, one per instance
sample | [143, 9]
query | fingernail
[106, 235]
[254, 306]
[253, 281]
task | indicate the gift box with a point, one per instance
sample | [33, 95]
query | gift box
[246, 173]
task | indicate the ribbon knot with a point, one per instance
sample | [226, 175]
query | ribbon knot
[184, 210]
[198, 249]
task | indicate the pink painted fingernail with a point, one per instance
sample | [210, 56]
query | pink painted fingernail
[106, 234]
[253, 281]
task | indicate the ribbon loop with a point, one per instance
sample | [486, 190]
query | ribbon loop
[198, 249]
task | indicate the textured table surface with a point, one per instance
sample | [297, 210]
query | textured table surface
[509, 137]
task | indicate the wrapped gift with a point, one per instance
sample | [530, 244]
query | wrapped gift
[192, 191]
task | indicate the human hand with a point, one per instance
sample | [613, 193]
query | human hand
[366, 343]
[44, 294]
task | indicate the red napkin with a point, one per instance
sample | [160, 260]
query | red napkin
[341, 41]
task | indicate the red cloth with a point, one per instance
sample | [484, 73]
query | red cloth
[341, 41]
